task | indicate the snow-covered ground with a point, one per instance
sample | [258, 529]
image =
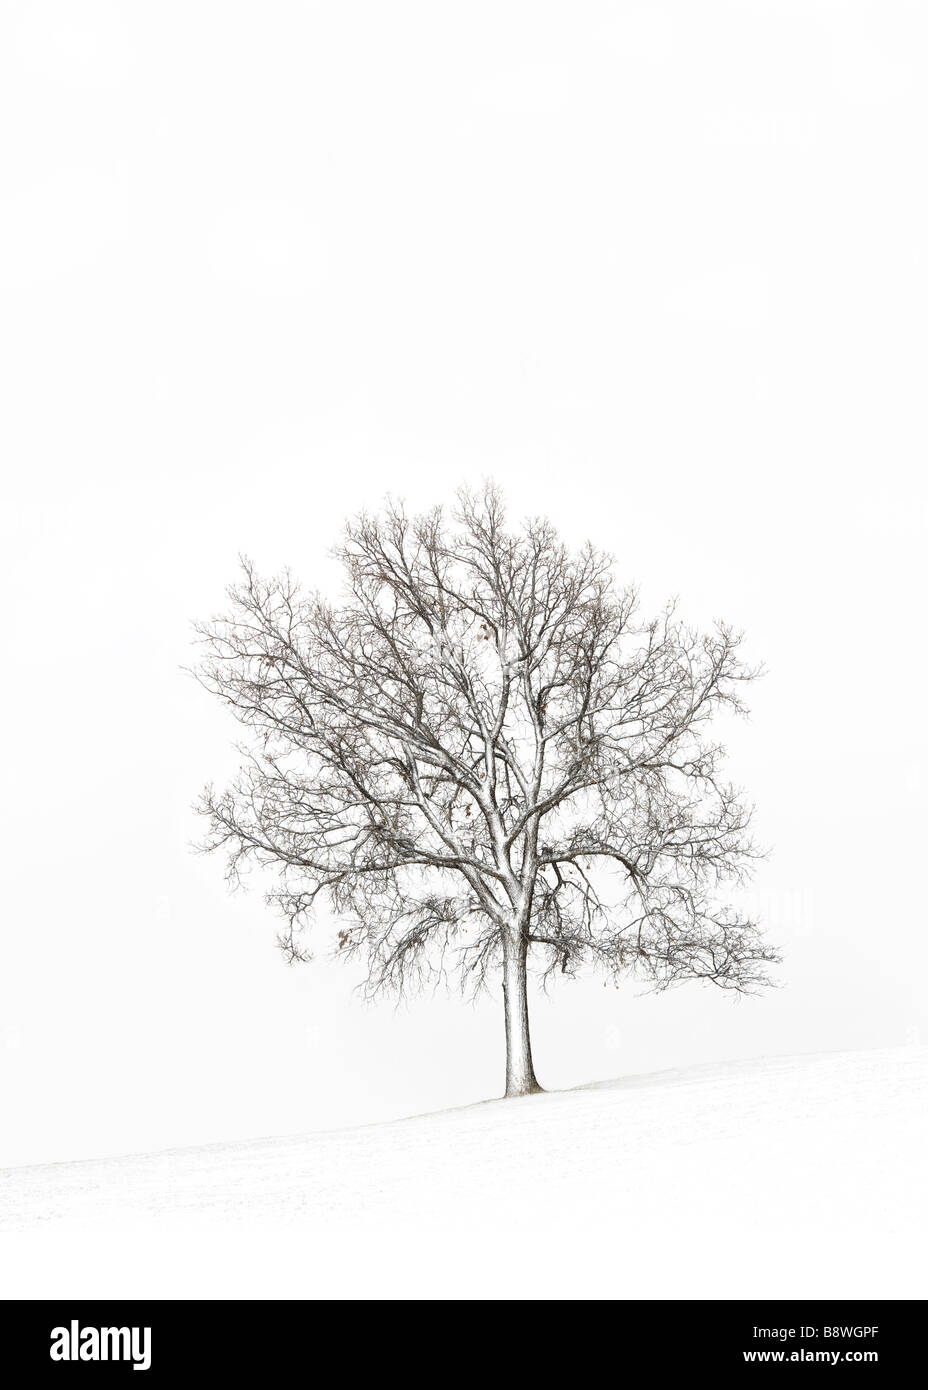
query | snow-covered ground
[797, 1177]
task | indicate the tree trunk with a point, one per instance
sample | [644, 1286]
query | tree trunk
[520, 1074]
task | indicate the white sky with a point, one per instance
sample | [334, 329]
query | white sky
[659, 269]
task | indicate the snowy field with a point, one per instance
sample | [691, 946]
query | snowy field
[798, 1177]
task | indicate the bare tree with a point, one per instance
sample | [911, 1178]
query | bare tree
[483, 759]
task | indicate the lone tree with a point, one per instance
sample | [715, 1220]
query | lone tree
[482, 759]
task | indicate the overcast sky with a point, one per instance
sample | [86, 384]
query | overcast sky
[657, 268]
